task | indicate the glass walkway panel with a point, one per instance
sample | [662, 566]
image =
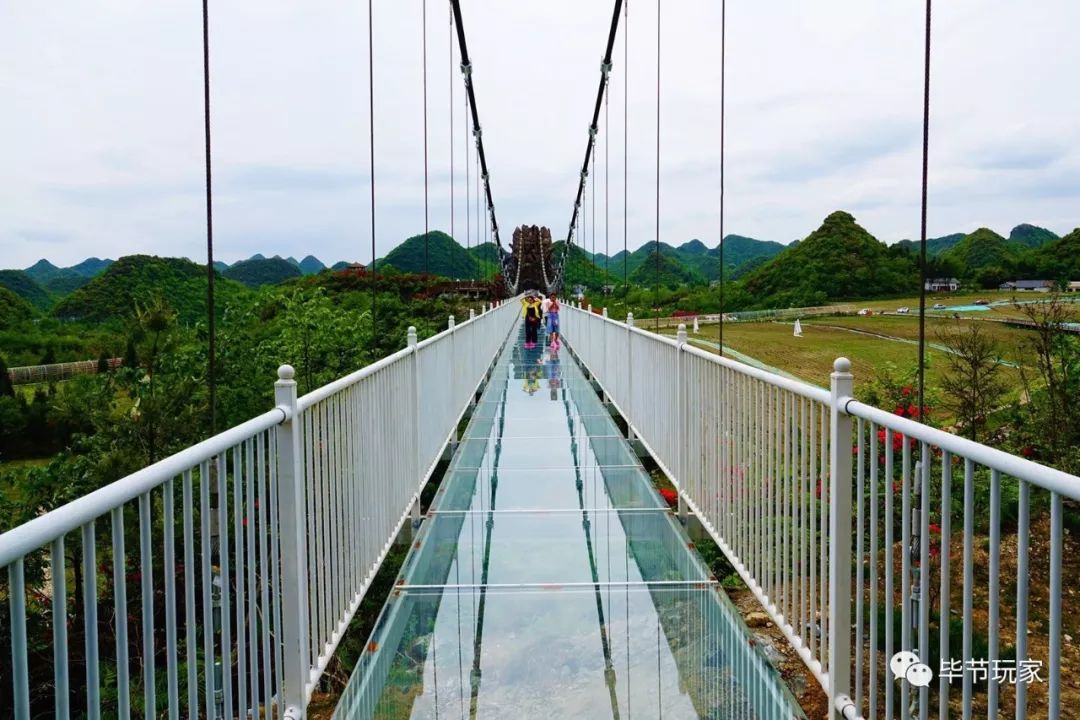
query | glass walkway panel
[550, 580]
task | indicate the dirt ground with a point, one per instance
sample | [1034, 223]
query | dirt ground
[798, 678]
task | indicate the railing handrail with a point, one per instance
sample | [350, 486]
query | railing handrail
[798, 387]
[804, 389]
[336, 386]
[43, 529]
[1042, 476]
[40, 531]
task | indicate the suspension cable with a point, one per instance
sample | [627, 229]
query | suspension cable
[607, 187]
[211, 320]
[467, 71]
[626, 152]
[427, 229]
[468, 184]
[922, 237]
[723, 95]
[605, 70]
[450, 67]
[658, 165]
[371, 139]
[592, 212]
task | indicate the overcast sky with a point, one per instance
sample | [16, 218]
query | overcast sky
[101, 149]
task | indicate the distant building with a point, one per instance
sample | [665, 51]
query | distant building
[1028, 285]
[353, 269]
[1073, 286]
[943, 285]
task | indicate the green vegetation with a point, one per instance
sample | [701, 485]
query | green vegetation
[444, 257]
[24, 286]
[934, 246]
[256, 273]
[1031, 236]
[983, 256]
[665, 270]
[13, 309]
[113, 294]
[487, 259]
[311, 265]
[1058, 260]
[580, 270]
[839, 260]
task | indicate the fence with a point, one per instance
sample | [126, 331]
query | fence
[269, 535]
[799, 487]
[753, 315]
[55, 372]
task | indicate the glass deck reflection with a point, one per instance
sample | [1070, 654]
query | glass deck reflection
[551, 581]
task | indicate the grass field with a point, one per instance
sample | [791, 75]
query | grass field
[959, 298]
[907, 327]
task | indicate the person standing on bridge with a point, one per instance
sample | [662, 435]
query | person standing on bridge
[530, 310]
[551, 311]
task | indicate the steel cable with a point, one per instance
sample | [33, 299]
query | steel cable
[211, 320]
[922, 235]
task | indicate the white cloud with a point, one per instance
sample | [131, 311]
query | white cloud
[102, 128]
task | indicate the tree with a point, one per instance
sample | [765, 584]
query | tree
[972, 384]
[1052, 423]
[6, 388]
[131, 357]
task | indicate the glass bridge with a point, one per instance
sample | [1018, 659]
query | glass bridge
[550, 580]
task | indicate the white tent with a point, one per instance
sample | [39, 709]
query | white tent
[798, 329]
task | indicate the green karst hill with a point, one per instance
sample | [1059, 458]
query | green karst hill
[137, 279]
[268, 271]
[25, 287]
[13, 309]
[672, 273]
[1031, 236]
[445, 257]
[838, 261]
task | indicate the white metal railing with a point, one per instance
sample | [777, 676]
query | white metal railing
[255, 546]
[796, 484]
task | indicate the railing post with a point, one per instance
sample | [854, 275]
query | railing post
[450, 325]
[294, 582]
[416, 424]
[629, 378]
[840, 442]
[680, 338]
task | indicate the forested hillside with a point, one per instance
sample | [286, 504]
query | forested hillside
[25, 287]
[840, 260]
[268, 271]
[137, 279]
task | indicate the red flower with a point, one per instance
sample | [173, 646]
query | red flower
[670, 496]
[935, 551]
[1028, 451]
[906, 391]
[912, 411]
[935, 528]
[900, 410]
